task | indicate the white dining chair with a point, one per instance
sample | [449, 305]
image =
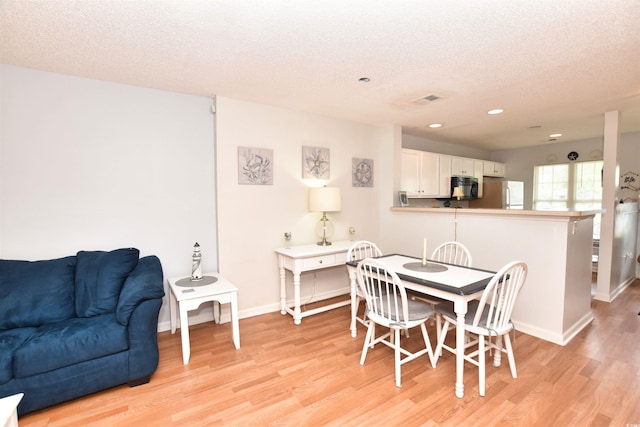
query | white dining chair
[489, 317]
[358, 251]
[388, 306]
[452, 253]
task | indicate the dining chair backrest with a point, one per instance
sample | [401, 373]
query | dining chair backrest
[452, 253]
[499, 297]
[384, 292]
[363, 249]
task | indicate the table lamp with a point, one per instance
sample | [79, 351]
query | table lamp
[457, 193]
[324, 199]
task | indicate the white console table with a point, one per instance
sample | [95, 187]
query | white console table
[299, 259]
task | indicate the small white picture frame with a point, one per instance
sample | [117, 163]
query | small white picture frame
[404, 201]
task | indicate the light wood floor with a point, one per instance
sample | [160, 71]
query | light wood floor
[309, 375]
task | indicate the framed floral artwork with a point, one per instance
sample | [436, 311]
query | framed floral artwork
[255, 166]
[361, 172]
[315, 162]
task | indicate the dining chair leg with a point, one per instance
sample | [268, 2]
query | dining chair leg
[441, 337]
[396, 334]
[510, 356]
[427, 344]
[367, 342]
[481, 365]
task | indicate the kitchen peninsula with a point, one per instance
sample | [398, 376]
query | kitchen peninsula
[555, 302]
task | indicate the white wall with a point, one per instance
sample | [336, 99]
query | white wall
[629, 156]
[252, 219]
[90, 165]
[424, 144]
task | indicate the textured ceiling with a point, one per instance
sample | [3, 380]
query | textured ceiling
[555, 64]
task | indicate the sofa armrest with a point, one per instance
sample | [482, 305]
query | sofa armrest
[144, 283]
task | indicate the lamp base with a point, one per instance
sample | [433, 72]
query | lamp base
[324, 230]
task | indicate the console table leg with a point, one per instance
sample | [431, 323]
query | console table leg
[283, 291]
[297, 312]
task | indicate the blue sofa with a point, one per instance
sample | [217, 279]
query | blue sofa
[76, 325]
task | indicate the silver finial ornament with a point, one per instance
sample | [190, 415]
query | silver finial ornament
[196, 267]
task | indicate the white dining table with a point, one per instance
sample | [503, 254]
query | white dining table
[451, 282]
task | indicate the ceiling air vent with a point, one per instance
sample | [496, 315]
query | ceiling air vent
[425, 99]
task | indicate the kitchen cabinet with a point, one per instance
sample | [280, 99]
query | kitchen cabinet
[461, 166]
[428, 175]
[445, 175]
[420, 173]
[496, 169]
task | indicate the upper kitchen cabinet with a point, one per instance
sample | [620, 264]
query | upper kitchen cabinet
[493, 169]
[420, 173]
[462, 166]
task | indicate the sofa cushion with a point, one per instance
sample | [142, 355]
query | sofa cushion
[36, 292]
[61, 344]
[10, 340]
[144, 283]
[99, 279]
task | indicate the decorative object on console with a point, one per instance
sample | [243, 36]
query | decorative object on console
[324, 199]
[361, 172]
[287, 238]
[315, 162]
[255, 166]
[196, 267]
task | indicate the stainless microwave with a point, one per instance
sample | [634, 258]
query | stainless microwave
[469, 187]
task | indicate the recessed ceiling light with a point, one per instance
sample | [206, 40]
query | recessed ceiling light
[364, 79]
[496, 111]
[435, 125]
[555, 135]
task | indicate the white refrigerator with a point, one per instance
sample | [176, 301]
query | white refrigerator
[500, 195]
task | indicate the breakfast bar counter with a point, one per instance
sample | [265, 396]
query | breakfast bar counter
[555, 302]
[503, 212]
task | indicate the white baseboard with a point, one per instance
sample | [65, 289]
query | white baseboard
[225, 315]
[608, 297]
[554, 337]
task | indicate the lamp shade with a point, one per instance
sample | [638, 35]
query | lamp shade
[457, 192]
[324, 199]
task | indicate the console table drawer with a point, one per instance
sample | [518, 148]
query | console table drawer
[319, 262]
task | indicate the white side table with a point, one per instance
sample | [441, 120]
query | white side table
[298, 259]
[9, 410]
[190, 295]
